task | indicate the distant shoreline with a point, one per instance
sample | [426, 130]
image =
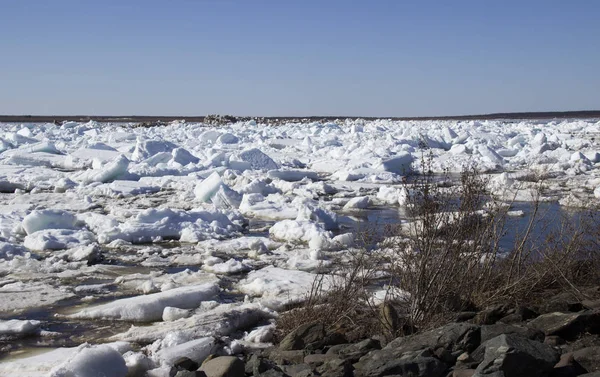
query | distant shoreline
[141, 118]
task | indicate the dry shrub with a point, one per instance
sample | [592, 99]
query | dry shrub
[339, 300]
[448, 258]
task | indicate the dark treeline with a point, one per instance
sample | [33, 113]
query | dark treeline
[154, 119]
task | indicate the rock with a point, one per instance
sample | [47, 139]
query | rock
[515, 356]
[306, 373]
[336, 368]
[410, 364]
[411, 354]
[354, 352]
[521, 314]
[287, 357]
[190, 373]
[589, 358]
[491, 315]
[554, 340]
[463, 372]
[274, 373]
[567, 367]
[388, 316]
[568, 325]
[465, 361]
[491, 331]
[256, 365]
[465, 316]
[318, 359]
[307, 336]
[295, 369]
[445, 356]
[591, 304]
[594, 374]
[185, 363]
[584, 341]
[453, 337]
[562, 302]
[224, 366]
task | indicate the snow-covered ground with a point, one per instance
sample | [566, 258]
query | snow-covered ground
[177, 240]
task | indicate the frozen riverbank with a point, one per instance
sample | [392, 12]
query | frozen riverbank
[189, 232]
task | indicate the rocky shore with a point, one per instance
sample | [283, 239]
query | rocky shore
[557, 339]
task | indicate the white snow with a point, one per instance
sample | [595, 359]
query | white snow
[150, 307]
[277, 287]
[168, 207]
[19, 327]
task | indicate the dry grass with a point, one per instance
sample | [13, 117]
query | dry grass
[448, 258]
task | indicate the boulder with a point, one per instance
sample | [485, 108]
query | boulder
[568, 325]
[189, 373]
[490, 315]
[463, 372]
[465, 316]
[224, 366]
[297, 369]
[417, 364]
[308, 336]
[562, 302]
[453, 337]
[354, 352]
[567, 367]
[281, 357]
[515, 356]
[554, 340]
[491, 331]
[274, 373]
[336, 368]
[185, 363]
[589, 358]
[519, 315]
[256, 365]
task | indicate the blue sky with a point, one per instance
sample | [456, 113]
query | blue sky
[276, 57]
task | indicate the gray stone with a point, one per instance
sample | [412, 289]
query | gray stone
[515, 356]
[491, 331]
[287, 357]
[584, 341]
[336, 368]
[463, 372]
[274, 373]
[465, 316]
[562, 302]
[295, 369]
[224, 366]
[593, 374]
[256, 365]
[389, 317]
[354, 352]
[521, 314]
[567, 325]
[490, 315]
[307, 336]
[554, 340]
[190, 373]
[589, 358]
[306, 373]
[411, 364]
[453, 337]
[591, 304]
[567, 367]
[318, 359]
[185, 363]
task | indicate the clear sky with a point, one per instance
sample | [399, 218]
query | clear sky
[288, 57]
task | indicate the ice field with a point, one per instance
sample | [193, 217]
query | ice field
[123, 248]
